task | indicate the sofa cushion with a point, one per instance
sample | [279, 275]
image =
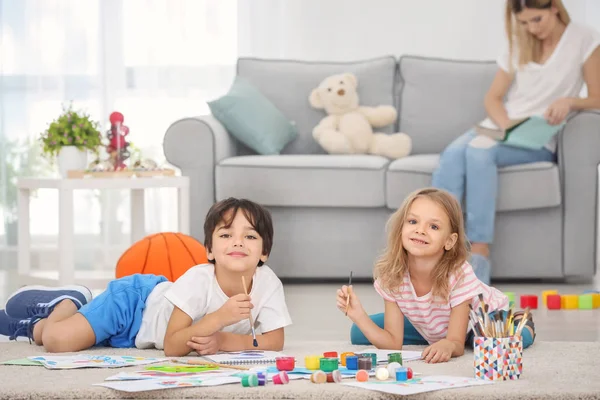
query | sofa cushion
[288, 85]
[304, 180]
[520, 187]
[440, 99]
[251, 118]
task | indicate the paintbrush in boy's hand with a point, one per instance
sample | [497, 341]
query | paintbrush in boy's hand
[254, 341]
[349, 290]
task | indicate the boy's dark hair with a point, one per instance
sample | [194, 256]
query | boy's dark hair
[258, 216]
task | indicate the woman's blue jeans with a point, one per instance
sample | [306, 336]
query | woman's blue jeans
[469, 168]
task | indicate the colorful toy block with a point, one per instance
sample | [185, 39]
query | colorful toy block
[585, 302]
[511, 298]
[545, 294]
[554, 302]
[596, 300]
[529, 300]
[570, 301]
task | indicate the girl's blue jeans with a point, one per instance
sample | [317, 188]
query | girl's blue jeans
[469, 168]
[413, 337]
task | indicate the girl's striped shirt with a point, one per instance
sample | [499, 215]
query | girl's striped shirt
[431, 318]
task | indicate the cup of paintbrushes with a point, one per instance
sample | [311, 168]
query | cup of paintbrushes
[498, 358]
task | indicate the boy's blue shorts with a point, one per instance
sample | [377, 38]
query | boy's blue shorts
[116, 314]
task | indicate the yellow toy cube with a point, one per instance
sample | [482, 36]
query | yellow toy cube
[570, 301]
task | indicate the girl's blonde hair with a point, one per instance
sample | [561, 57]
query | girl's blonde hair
[392, 266]
[529, 47]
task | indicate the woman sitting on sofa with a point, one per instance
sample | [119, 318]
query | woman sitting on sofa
[548, 59]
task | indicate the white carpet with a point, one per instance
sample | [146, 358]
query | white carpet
[552, 370]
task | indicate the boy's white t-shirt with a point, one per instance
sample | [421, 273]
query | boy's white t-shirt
[537, 86]
[198, 293]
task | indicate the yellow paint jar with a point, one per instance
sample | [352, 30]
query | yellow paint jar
[343, 357]
[312, 362]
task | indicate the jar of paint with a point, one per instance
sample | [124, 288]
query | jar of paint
[312, 362]
[343, 357]
[352, 363]
[395, 357]
[373, 357]
[365, 363]
[328, 364]
[285, 363]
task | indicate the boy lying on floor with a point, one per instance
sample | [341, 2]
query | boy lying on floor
[205, 310]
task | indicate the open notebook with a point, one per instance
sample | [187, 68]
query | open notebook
[529, 133]
[245, 357]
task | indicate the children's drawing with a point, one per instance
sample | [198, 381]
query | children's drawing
[159, 384]
[93, 361]
[149, 375]
[419, 385]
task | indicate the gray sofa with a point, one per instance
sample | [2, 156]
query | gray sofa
[330, 211]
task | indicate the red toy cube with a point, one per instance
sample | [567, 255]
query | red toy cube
[553, 301]
[530, 301]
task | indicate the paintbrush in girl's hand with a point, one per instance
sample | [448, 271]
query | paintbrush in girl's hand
[349, 290]
[254, 341]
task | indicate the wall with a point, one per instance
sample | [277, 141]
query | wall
[356, 29]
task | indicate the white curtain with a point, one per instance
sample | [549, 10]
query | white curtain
[153, 60]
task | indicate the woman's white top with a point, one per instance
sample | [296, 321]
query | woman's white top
[537, 86]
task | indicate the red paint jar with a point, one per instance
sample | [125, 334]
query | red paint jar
[281, 378]
[334, 376]
[330, 354]
[285, 363]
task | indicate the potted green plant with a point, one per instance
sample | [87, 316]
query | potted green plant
[22, 158]
[69, 138]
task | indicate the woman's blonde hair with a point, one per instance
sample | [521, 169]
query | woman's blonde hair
[392, 266]
[529, 47]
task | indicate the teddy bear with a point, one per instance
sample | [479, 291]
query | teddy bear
[348, 127]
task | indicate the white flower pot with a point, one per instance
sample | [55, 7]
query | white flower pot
[71, 158]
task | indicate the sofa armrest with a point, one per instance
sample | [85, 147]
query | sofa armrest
[578, 159]
[195, 145]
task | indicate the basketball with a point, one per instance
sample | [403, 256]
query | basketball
[169, 254]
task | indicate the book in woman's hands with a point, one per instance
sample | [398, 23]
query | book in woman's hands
[245, 357]
[491, 130]
[529, 133]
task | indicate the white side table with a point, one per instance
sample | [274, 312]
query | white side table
[66, 274]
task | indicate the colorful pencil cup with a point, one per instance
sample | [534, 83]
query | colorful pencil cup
[498, 358]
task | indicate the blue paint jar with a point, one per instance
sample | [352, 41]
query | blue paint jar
[401, 374]
[352, 363]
